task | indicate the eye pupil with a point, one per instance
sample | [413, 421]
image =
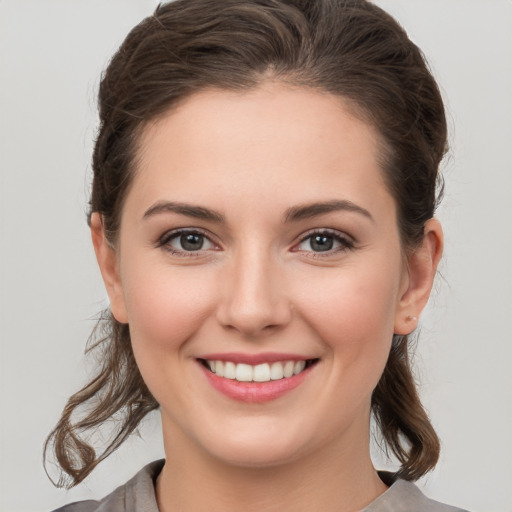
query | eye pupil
[322, 243]
[192, 241]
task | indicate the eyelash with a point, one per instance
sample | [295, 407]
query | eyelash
[346, 243]
[165, 241]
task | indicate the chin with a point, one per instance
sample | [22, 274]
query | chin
[256, 456]
[264, 445]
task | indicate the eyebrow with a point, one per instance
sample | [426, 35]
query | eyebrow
[307, 211]
[198, 212]
[293, 214]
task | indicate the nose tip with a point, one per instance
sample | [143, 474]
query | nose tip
[254, 318]
[255, 303]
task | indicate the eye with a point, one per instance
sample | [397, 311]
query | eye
[186, 241]
[324, 241]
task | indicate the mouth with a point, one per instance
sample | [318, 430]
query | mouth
[258, 373]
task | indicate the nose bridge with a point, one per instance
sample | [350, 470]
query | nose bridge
[255, 299]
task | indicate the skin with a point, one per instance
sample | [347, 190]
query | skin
[258, 285]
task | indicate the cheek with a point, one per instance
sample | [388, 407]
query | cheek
[353, 311]
[165, 306]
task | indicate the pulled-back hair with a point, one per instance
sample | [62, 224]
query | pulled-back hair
[349, 48]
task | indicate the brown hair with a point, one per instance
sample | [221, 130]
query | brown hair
[350, 48]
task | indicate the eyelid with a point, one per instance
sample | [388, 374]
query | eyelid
[163, 241]
[346, 241]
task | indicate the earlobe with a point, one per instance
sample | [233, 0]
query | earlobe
[422, 266]
[109, 267]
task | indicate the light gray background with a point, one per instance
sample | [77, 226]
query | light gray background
[52, 53]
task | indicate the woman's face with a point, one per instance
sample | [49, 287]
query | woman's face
[259, 233]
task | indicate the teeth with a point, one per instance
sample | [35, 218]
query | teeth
[299, 366]
[261, 373]
[276, 371]
[243, 372]
[258, 373]
[229, 370]
[288, 369]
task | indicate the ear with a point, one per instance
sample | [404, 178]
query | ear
[109, 266]
[421, 270]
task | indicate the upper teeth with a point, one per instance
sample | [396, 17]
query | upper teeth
[258, 373]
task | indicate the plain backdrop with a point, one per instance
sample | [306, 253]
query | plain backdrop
[52, 54]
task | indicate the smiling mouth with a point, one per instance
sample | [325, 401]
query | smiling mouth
[264, 372]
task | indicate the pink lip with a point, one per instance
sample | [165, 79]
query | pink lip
[254, 359]
[255, 391]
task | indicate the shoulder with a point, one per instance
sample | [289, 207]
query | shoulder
[136, 495]
[405, 496]
[79, 506]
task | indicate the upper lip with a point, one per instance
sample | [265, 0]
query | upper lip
[254, 359]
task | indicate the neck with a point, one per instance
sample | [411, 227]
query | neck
[337, 478]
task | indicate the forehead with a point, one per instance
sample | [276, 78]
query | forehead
[293, 143]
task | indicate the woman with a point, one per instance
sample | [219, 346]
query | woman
[265, 181]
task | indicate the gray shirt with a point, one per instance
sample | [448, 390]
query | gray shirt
[138, 495]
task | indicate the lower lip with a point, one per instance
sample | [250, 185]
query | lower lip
[255, 391]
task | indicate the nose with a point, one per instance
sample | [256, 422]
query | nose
[254, 302]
